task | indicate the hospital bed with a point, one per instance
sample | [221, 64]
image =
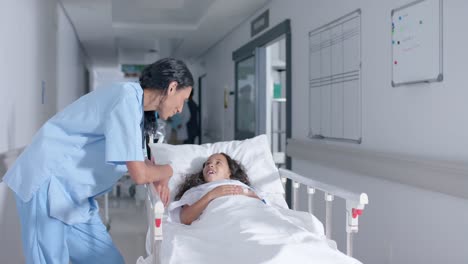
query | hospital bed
[355, 202]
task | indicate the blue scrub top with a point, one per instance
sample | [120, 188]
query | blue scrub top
[81, 152]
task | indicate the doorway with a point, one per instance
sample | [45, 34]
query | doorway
[263, 90]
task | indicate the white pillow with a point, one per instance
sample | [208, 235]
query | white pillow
[254, 154]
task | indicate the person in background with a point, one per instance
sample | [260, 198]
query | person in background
[179, 126]
[193, 127]
[181, 129]
[246, 111]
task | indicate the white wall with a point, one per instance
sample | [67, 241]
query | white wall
[401, 224]
[425, 120]
[28, 58]
[37, 45]
[71, 62]
[10, 234]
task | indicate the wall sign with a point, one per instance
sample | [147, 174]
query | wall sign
[260, 23]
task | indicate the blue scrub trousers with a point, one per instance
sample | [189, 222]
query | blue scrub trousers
[48, 240]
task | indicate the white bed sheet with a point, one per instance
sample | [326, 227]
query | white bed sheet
[239, 229]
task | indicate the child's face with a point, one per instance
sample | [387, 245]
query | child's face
[216, 168]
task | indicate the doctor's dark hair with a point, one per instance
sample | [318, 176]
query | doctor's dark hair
[164, 71]
[236, 169]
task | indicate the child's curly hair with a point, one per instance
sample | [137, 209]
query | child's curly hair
[236, 169]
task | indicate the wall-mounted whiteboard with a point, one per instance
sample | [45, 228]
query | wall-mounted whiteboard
[417, 42]
[335, 80]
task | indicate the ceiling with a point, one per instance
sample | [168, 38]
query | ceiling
[141, 31]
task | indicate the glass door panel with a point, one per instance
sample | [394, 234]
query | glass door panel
[245, 118]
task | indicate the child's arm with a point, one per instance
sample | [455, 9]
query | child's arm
[190, 213]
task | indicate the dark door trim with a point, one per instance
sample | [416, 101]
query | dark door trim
[283, 28]
[200, 87]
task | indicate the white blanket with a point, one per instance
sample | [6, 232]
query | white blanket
[239, 229]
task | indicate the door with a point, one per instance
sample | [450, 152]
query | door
[265, 64]
[245, 125]
[263, 89]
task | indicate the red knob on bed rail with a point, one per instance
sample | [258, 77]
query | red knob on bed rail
[356, 212]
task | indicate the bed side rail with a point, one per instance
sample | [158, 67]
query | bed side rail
[355, 202]
[155, 207]
[155, 212]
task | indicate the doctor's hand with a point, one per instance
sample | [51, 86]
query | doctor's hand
[162, 186]
[165, 170]
[163, 191]
[148, 172]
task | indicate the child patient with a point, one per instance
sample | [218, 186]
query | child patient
[219, 168]
[220, 216]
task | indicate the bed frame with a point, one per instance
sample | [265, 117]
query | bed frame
[355, 203]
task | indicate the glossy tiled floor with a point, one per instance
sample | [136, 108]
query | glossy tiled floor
[127, 226]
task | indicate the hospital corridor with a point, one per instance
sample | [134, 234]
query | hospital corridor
[246, 131]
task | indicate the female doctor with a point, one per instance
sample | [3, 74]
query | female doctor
[80, 153]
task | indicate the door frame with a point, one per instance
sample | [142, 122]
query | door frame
[282, 29]
[200, 105]
[248, 50]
